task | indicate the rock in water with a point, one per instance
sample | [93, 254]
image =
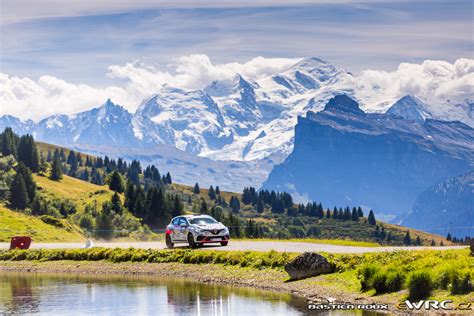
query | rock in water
[307, 265]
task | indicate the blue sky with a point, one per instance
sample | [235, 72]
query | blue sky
[78, 42]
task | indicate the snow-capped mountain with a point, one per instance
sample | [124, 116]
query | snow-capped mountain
[19, 126]
[242, 119]
[107, 124]
[187, 120]
[409, 108]
[237, 100]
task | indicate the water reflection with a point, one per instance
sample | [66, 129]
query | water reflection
[119, 295]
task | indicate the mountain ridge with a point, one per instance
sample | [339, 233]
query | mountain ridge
[377, 160]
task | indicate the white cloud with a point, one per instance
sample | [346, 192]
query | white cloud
[195, 72]
[26, 98]
[433, 81]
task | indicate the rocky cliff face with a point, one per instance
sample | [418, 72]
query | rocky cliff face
[345, 156]
[447, 206]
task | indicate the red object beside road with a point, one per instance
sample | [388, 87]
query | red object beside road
[20, 242]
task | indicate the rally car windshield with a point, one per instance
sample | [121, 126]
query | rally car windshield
[202, 221]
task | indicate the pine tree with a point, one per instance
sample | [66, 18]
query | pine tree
[116, 203]
[203, 209]
[359, 212]
[211, 193]
[448, 237]
[177, 207]
[139, 207]
[105, 226]
[168, 178]
[328, 213]
[407, 239]
[218, 191]
[28, 153]
[9, 141]
[354, 215]
[234, 203]
[134, 172]
[260, 206]
[62, 155]
[85, 174]
[335, 214]
[278, 206]
[432, 243]
[155, 205]
[43, 166]
[19, 196]
[130, 195]
[56, 169]
[196, 189]
[320, 212]
[371, 218]
[30, 184]
[79, 159]
[347, 214]
[418, 241]
[250, 229]
[116, 182]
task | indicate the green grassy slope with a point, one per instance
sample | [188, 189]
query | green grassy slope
[81, 193]
[78, 191]
[14, 224]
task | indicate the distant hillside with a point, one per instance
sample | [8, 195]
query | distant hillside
[449, 203]
[343, 155]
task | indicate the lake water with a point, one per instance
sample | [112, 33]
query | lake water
[62, 294]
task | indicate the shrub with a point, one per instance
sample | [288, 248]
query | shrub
[461, 284]
[379, 282]
[297, 231]
[253, 259]
[86, 222]
[51, 221]
[466, 285]
[420, 285]
[366, 274]
[395, 280]
[446, 278]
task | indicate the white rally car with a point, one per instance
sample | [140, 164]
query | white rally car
[196, 230]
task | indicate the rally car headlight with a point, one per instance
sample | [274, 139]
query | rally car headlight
[198, 230]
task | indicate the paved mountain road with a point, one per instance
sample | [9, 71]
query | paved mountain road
[241, 245]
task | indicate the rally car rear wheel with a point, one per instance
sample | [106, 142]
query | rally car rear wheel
[169, 242]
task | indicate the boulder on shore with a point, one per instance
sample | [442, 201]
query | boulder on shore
[307, 265]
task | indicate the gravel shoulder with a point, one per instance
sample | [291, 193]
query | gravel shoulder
[281, 246]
